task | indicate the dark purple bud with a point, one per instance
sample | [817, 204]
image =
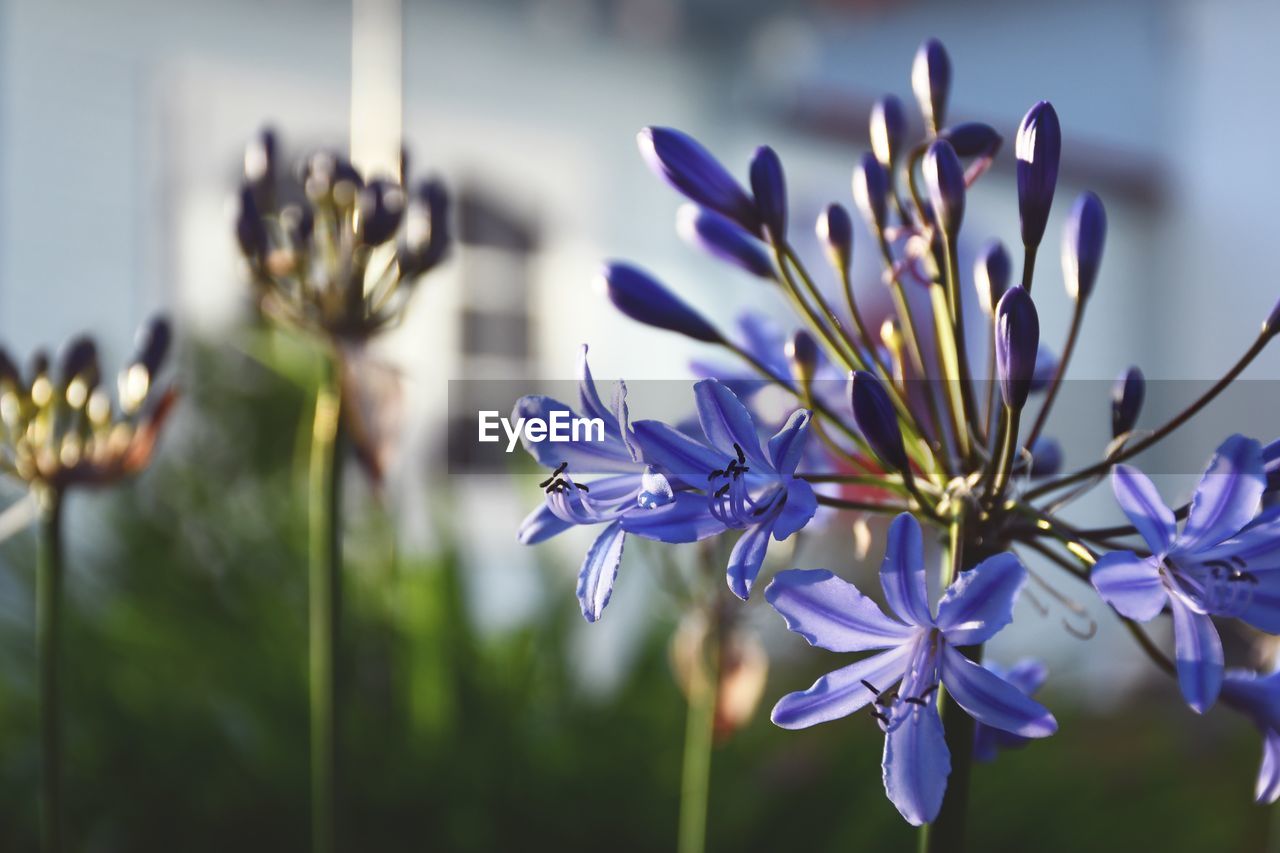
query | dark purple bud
[1017, 343]
[426, 236]
[1046, 366]
[723, 238]
[931, 82]
[328, 175]
[871, 192]
[260, 166]
[151, 345]
[769, 185]
[379, 208]
[639, 296]
[1271, 467]
[991, 273]
[835, 230]
[1126, 401]
[802, 355]
[1271, 325]
[944, 178]
[877, 421]
[888, 129]
[38, 366]
[1038, 149]
[9, 374]
[251, 233]
[78, 358]
[682, 162]
[1046, 457]
[973, 139]
[1082, 242]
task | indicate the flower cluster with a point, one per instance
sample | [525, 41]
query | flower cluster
[916, 433]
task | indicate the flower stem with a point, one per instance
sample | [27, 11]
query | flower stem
[325, 607]
[48, 641]
[698, 739]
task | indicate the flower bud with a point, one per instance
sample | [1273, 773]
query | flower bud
[297, 222]
[888, 129]
[10, 377]
[873, 412]
[38, 366]
[260, 166]
[1271, 468]
[1046, 367]
[1046, 457]
[973, 139]
[1017, 343]
[802, 355]
[931, 82]
[78, 359]
[1127, 394]
[835, 230]
[328, 176]
[379, 208]
[639, 296]
[723, 238]
[151, 344]
[426, 236]
[251, 233]
[1271, 325]
[769, 184]
[683, 163]
[1038, 149]
[991, 273]
[871, 192]
[1082, 242]
[944, 178]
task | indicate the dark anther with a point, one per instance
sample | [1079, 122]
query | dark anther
[719, 472]
[554, 474]
[722, 491]
[581, 486]
[880, 715]
[870, 686]
[742, 458]
[915, 700]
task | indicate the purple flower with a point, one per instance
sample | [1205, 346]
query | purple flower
[748, 486]
[250, 230]
[1126, 401]
[1027, 675]
[944, 178]
[877, 421]
[991, 273]
[835, 229]
[724, 239]
[638, 295]
[1017, 346]
[871, 192]
[769, 185]
[1271, 467]
[379, 207]
[1038, 148]
[1046, 457]
[919, 649]
[888, 129]
[1082, 242]
[1258, 698]
[633, 498]
[802, 355]
[426, 237]
[682, 162]
[931, 82]
[1223, 563]
[973, 139]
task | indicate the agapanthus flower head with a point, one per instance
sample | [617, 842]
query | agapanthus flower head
[916, 651]
[877, 421]
[888, 130]
[723, 239]
[1127, 395]
[835, 229]
[1038, 149]
[317, 264]
[871, 192]
[944, 178]
[1017, 332]
[642, 298]
[683, 163]
[931, 82]
[60, 426]
[991, 273]
[1222, 563]
[769, 185]
[1082, 243]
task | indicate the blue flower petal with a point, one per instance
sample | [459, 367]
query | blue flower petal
[687, 518]
[831, 613]
[1028, 675]
[1131, 584]
[540, 525]
[842, 692]
[916, 762]
[1267, 789]
[592, 405]
[610, 456]
[726, 422]
[991, 700]
[1141, 502]
[980, 601]
[902, 572]
[1199, 654]
[680, 457]
[748, 556]
[599, 569]
[1228, 496]
[787, 447]
[800, 506]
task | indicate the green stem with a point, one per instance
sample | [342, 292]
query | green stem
[699, 734]
[48, 651]
[325, 607]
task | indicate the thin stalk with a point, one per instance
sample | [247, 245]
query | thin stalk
[1073, 333]
[1178, 420]
[1008, 451]
[871, 506]
[955, 298]
[1028, 266]
[325, 607]
[786, 256]
[48, 652]
[699, 738]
